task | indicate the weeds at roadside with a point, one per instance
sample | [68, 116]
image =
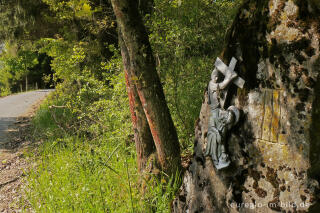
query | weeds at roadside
[77, 173]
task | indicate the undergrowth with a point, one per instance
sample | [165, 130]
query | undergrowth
[80, 171]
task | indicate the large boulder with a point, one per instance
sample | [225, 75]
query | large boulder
[275, 148]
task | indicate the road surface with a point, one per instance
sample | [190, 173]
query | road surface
[13, 106]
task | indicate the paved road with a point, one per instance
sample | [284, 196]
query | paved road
[14, 106]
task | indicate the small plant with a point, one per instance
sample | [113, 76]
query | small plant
[161, 192]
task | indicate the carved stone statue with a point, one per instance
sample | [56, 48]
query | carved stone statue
[221, 120]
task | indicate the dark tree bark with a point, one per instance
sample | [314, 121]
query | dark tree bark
[146, 6]
[147, 82]
[142, 135]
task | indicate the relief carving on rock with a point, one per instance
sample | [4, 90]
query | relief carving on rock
[221, 120]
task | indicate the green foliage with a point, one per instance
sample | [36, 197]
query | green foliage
[70, 9]
[15, 66]
[27, 21]
[161, 192]
[186, 37]
[21, 20]
[73, 176]
[88, 88]
[5, 78]
[20, 64]
[77, 172]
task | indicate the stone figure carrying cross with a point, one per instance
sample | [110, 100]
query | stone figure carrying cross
[221, 120]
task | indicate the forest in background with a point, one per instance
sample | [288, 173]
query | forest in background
[87, 159]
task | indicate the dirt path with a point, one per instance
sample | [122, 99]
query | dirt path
[15, 111]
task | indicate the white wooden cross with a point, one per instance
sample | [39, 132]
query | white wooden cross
[224, 69]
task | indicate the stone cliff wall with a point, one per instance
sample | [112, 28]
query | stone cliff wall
[275, 148]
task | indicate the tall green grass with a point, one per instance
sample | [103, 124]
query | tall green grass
[74, 173]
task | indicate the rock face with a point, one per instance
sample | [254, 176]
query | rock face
[275, 148]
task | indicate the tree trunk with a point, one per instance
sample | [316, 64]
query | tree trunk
[275, 147]
[147, 82]
[142, 135]
[26, 83]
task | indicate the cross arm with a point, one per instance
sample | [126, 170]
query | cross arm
[224, 69]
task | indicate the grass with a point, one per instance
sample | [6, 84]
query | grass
[72, 176]
[76, 174]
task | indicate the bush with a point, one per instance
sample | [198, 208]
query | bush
[91, 170]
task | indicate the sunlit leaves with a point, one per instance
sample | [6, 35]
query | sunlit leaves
[15, 65]
[71, 8]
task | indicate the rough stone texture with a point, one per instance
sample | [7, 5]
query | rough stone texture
[275, 148]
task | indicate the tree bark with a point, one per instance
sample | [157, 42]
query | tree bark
[142, 135]
[147, 82]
